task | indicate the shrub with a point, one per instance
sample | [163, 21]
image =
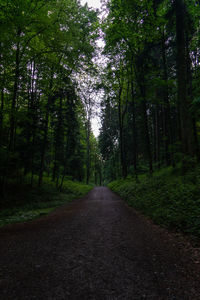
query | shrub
[28, 203]
[170, 200]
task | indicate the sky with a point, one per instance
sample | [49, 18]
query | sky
[92, 3]
[95, 121]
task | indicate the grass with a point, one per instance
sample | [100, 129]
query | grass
[168, 198]
[23, 203]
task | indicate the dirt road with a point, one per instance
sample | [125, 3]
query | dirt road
[94, 248]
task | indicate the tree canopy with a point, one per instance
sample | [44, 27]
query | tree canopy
[45, 46]
[148, 83]
[152, 51]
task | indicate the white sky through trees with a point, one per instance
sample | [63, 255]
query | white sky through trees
[92, 3]
[95, 120]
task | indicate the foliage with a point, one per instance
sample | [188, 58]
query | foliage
[24, 203]
[45, 48]
[168, 198]
[151, 86]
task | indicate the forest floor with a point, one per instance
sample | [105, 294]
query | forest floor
[96, 248]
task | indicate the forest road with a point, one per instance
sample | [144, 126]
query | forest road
[94, 248]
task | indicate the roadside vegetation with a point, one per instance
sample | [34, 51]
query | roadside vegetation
[46, 142]
[169, 198]
[23, 202]
[45, 114]
[150, 113]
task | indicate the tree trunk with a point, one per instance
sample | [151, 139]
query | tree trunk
[135, 152]
[141, 83]
[31, 125]
[1, 115]
[44, 144]
[14, 98]
[183, 101]
[158, 139]
[146, 130]
[88, 152]
[190, 93]
[167, 121]
[121, 136]
[58, 143]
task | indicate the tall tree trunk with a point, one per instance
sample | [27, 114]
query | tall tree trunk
[183, 99]
[44, 143]
[190, 93]
[62, 178]
[141, 84]
[1, 115]
[167, 120]
[88, 163]
[121, 136]
[14, 97]
[135, 151]
[139, 74]
[58, 143]
[31, 125]
[158, 145]
[34, 131]
[146, 130]
[154, 134]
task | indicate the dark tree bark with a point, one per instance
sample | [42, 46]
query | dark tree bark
[14, 97]
[31, 125]
[88, 163]
[156, 135]
[139, 72]
[121, 135]
[183, 97]
[190, 93]
[135, 150]
[44, 143]
[146, 129]
[1, 115]
[58, 143]
[167, 112]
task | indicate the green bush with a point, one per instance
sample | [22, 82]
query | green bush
[25, 203]
[170, 200]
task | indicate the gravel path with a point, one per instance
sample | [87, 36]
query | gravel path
[94, 248]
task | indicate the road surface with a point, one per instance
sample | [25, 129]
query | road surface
[94, 248]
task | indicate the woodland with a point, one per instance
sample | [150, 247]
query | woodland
[145, 89]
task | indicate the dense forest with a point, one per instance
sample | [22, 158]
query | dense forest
[149, 137]
[46, 48]
[150, 113]
[147, 81]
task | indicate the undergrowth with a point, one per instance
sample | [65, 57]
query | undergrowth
[169, 198]
[23, 202]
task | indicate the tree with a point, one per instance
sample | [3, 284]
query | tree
[154, 41]
[45, 47]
